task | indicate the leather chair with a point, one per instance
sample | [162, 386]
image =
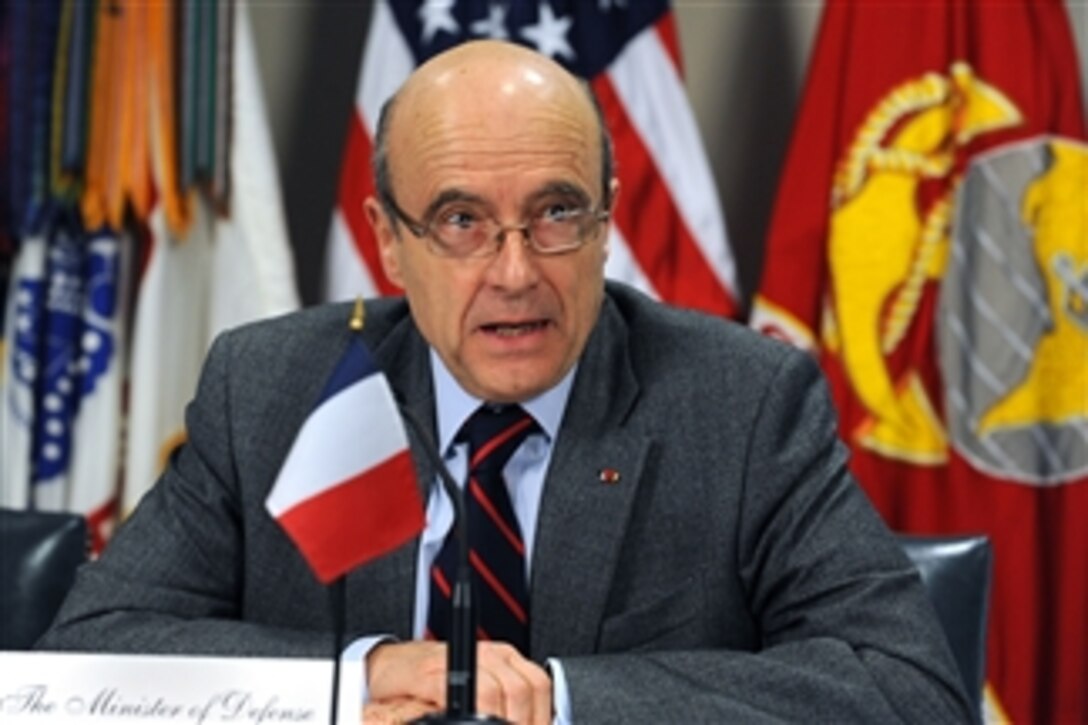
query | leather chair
[956, 573]
[39, 554]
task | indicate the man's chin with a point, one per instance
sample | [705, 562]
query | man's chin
[512, 384]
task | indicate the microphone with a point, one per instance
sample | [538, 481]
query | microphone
[461, 648]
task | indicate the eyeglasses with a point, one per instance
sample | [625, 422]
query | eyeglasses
[466, 230]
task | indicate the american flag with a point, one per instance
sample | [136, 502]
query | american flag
[668, 236]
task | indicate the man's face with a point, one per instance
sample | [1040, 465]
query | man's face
[507, 326]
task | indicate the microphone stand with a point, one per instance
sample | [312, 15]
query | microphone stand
[461, 652]
[337, 598]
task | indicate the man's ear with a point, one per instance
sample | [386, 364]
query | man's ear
[388, 243]
[613, 194]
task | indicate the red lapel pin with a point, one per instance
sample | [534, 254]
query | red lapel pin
[608, 476]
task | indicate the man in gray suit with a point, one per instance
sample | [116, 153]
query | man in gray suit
[696, 548]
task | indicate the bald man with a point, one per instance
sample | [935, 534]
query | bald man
[694, 546]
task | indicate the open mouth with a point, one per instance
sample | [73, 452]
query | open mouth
[506, 329]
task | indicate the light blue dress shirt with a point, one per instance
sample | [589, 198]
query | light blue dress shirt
[524, 473]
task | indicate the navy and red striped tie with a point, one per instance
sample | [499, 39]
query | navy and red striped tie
[496, 548]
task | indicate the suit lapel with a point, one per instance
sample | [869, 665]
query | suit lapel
[588, 495]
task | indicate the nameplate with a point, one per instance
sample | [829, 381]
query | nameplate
[46, 687]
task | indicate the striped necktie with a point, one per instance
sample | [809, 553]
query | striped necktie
[496, 548]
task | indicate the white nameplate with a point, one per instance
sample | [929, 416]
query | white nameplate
[46, 687]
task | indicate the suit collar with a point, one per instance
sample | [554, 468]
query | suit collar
[454, 405]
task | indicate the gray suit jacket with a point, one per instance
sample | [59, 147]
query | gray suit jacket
[734, 572]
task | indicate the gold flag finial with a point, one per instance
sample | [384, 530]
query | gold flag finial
[358, 315]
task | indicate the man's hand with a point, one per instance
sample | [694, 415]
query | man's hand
[407, 671]
[395, 712]
[507, 685]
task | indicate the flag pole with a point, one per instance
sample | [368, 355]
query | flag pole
[337, 590]
[337, 597]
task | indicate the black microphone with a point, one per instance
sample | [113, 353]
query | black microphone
[461, 648]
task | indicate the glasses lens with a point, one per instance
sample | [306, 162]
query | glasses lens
[461, 231]
[556, 232]
[467, 231]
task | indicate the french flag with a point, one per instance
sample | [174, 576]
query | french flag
[348, 492]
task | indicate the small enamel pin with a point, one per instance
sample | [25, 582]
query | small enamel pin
[608, 476]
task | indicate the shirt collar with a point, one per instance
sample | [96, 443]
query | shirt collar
[454, 405]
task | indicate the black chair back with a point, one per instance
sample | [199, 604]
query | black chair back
[39, 554]
[956, 572]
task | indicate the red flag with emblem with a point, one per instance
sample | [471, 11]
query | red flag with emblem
[929, 245]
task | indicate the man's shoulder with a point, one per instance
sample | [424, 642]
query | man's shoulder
[655, 329]
[718, 372]
[324, 322]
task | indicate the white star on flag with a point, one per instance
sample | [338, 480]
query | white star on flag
[494, 25]
[437, 16]
[606, 5]
[550, 34]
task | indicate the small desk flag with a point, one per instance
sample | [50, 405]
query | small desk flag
[347, 492]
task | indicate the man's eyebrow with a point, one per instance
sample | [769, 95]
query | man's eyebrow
[450, 196]
[550, 189]
[559, 188]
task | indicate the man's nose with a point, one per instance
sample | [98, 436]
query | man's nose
[514, 267]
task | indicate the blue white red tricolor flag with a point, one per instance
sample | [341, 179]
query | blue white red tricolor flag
[667, 238]
[347, 492]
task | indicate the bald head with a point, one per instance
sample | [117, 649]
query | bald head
[497, 228]
[496, 67]
[492, 83]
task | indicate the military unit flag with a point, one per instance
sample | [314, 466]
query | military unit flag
[929, 244]
[140, 215]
